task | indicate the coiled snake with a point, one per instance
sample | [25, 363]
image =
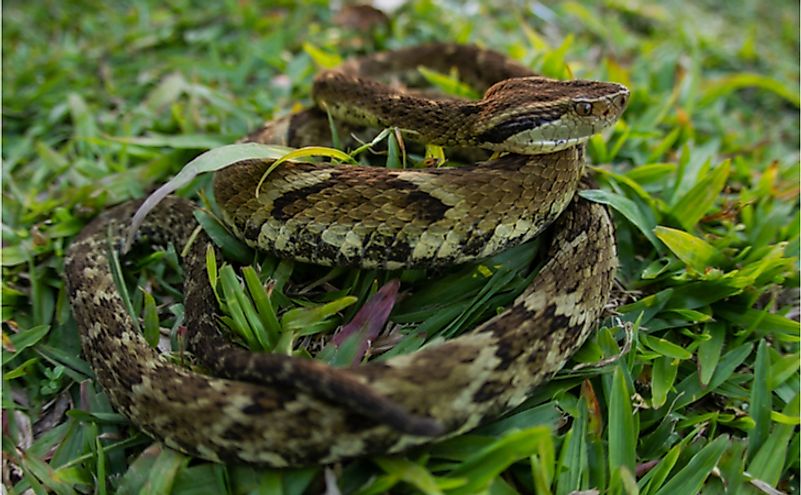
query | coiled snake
[283, 411]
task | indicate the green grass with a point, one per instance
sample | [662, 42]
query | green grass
[103, 103]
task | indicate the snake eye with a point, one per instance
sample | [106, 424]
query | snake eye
[583, 108]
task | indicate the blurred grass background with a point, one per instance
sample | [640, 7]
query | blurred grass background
[104, 100]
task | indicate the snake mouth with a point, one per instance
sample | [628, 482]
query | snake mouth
[532, 146]
[537, 135]
[551, 145]
[522, 124]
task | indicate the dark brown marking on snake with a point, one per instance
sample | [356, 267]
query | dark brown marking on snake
[560, 321]
[250, 229]
[505, 130]
[425, 206]
[305, 241]
[358, 421]
[506, 350]
[289, 203]
[380, 246]
[393, 181]
[476, 242]
[254, 408]
[575, 283]
[467, 110]
[490, 390]
[236, 432]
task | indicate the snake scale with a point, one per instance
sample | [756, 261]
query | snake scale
[282, 411]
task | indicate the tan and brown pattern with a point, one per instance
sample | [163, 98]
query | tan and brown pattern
[281, 411]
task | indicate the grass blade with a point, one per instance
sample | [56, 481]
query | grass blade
[760, 403]
[768, 463]
[695, 252]
[691, 478]
[622, 429]
[709, 352]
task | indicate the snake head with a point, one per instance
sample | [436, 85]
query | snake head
[540, 115]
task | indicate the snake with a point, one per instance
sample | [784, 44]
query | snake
[281, 411]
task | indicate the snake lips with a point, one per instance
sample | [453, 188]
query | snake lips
[279, 410]
[539, 115]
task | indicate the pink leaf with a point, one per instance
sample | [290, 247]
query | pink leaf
[370, 319]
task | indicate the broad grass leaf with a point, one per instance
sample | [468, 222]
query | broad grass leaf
[212, 478]
[543, 466]
[409, 472]
[75, 367]
[544, 414]
[301, 319]
[690, 390]
[666, 143]
[572, 463]
[719, 88]
[13, 255]
[695, 252]
[322, 58]
[396, 158]
[694, 161]
[232, 247]
[782, 368]
[150, 319]
[647, 307]
[763, 322]
[768, 463]
[164, 471]
[482, 467]
[461, 448]
[264, 306]
[40, 473]
[760, 400]
[119, 282]
[664, 370]
[665, 347]
[235, 303]
[691, 478]
[165, 93]
[22, 340]
[709, 351]
[657, 476]
[448, 84]
[139, 471]
[211, 270]
[651, 175]
[83, 121]
[553, 63]
[693, 205]
[184, 141]
[625, 207]
[622, 429]
[21, 370]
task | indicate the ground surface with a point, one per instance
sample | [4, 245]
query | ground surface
[102, 103]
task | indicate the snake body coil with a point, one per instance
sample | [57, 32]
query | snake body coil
[282, 411]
